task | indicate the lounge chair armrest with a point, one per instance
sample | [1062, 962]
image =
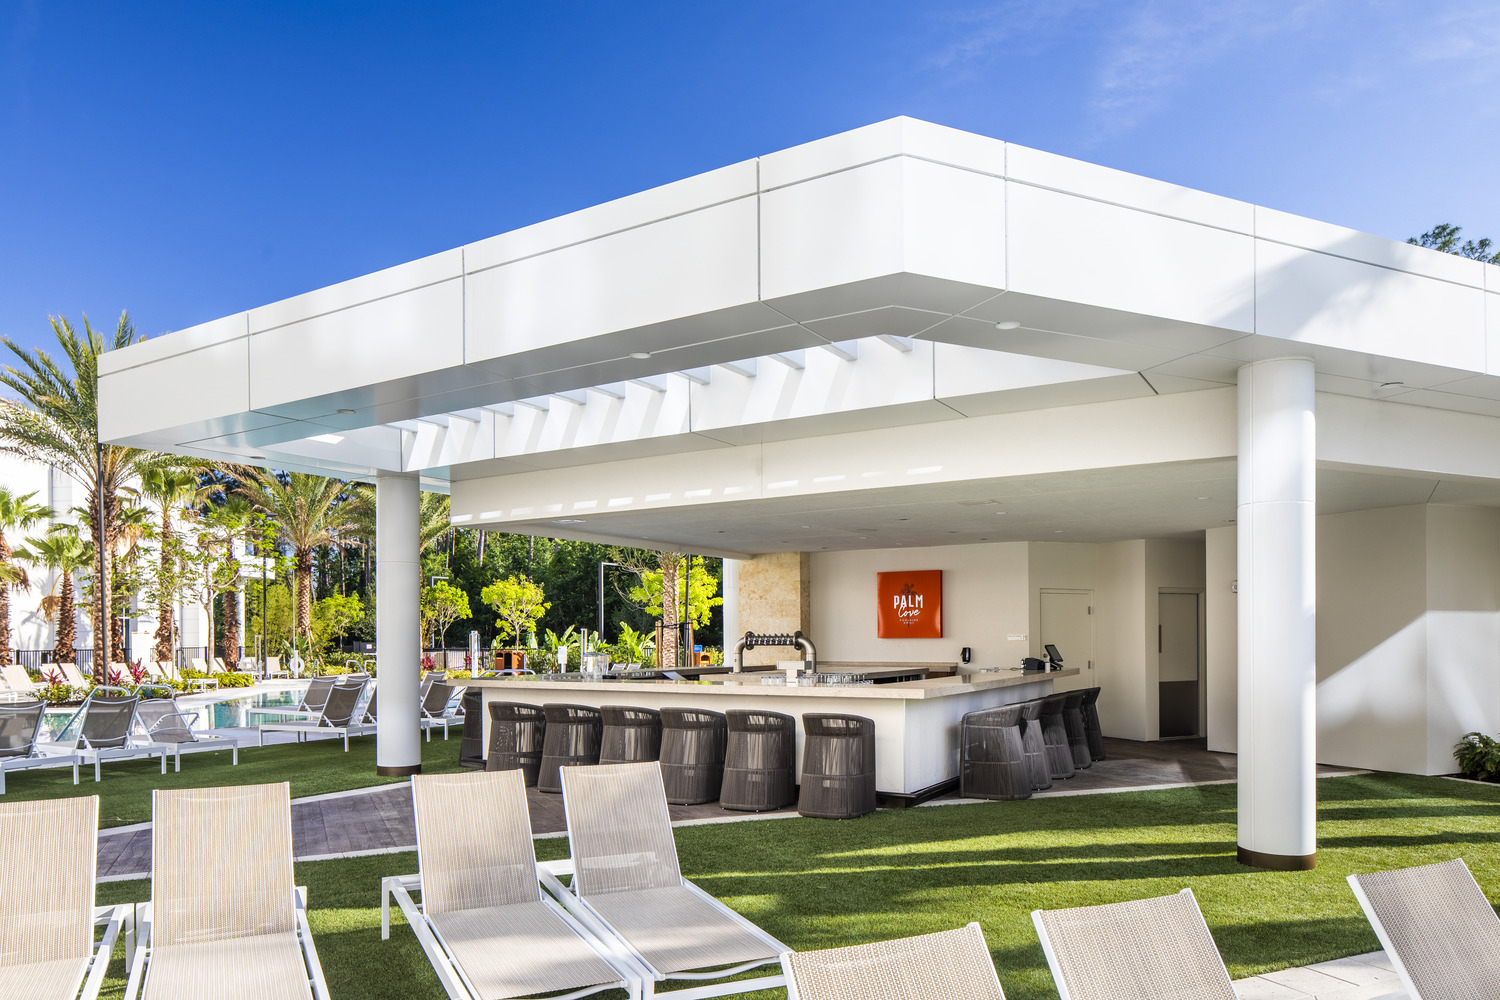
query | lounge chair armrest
[562, 867]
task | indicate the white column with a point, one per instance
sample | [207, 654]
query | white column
[730, 591]
[398, 638]
[1277, 614]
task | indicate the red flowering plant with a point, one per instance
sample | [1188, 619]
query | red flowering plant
[137, 671]
[428, 663]
[52, 678]
[117, 678]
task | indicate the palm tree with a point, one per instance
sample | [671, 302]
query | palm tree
[55, 421]
[170, 489]
[65, 552]
[219, 527]
[433, 521]
[17, 513]
[309, 512]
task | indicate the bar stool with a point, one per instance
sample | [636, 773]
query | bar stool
[838, 766]
[1078, 740]
[1033, 744]
[1091, 729]
[516, 739]
[572, 737]
[1054, 736]
[760, 767]
[692, 754]
[993, 765]
[471, 747]
[631, 735]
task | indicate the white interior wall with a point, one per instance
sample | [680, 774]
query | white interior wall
[1120, 640]
[1221, 632]
[1058, 566]
[984, 600]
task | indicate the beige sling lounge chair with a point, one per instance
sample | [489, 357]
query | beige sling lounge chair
[311, 705]
[338, 718]
[237, 932]
[626, 882]
[166, 725]
[484, 922]
[47, 911]
[18, 683]
[1158, 947]
[953, 964]
[20, 734]
[433, 708]
[1438, 929]
[70, 674]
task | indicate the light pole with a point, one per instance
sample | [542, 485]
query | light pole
[601, 596]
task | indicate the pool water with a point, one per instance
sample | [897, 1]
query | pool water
[214, 715]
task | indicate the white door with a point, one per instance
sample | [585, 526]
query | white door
[1068, 624]
[1178, 680]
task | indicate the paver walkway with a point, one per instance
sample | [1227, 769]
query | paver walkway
[1362, 977]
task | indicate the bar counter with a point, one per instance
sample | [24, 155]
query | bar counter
[916, 722]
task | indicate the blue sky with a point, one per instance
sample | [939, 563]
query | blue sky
[188, 160]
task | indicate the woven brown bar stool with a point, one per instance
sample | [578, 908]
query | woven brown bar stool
[471, 746]
[631, 735]
[1078, 739]
[838, 766]
[516, 739]
[993, 765]
[692, 754]
[1091, 728]
[1055, 737]
[572, 737]
[760, 768]
[1033, 744]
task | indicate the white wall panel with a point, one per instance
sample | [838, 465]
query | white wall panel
[953, 224]
[359, 346]
[1319, 299]
[197, 385]
[210, 334]
[831, 230]
[1221, 628]
[1137, 262]
[969, 371]
[1310, 234]
[892, 137]
[357, 291]
[1492, 330]
[1384, 434]
[678, 267]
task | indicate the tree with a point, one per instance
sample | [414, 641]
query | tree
[669, 591]
[17, 513]
[219, 527]
[171, 490]
[63, 551]
[442, 605]
[518, 602]
[55, 421]
[333, 616]
[309, 512]
[1444, 237]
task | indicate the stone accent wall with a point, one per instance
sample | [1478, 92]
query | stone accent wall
[775, 595]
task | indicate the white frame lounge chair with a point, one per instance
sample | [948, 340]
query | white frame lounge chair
[952, 963]
[248, 922]
[19, 748]
[1437, 928]
[109, 742]
[71, 675]
[336, 719]
[1159, 946]
[47, 911]
[18, 683]
[274, 669]
[433, 714]
[311, 705]
[175, 729]
[486, 926]
[627, 884]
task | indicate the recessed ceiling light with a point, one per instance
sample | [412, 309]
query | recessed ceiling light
[258, 458]
[903, 519]
[1391, 385]
[569, 520]
[1007, 324]
[345, 412]
[1057, 531]
[639, 355]
[1200, 498]
[327, 438]
[984, 539]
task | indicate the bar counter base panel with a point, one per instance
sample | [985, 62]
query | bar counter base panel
[1276, 862]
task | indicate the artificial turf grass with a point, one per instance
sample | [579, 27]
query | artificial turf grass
[817, 883]
[314, 767]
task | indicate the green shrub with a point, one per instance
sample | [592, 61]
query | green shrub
[226, 679]
[1478, 757]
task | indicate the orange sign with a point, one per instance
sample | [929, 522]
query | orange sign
[911, 604]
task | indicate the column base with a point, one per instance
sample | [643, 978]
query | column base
[1276, 862]
[397, 770]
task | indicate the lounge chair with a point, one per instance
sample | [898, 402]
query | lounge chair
[952, 963]
[120, 673]
[70, 675]
[18, 683]
[336, 719]
[165, 724]
[434, 708]
[626, 883]
[47, 911]
[1156, 947]
[106, 732]
[485, 925]
[217, 666]
[274, 668]
[311, 705]
[20, 729]
[368, 718]
[1437, 928]
[168, 670]
[241, 932]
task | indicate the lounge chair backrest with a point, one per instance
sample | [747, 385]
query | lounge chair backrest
[107, 721]
[316, 694]
[47, 894]
[428, 679]
[252, 824]
[199, 664]
[168, 669]
[218, 665]
[1157, 947]
[618, 828]
[338, 710]
[474, 841]
[370, 708]
[952, 963]
[17, 679]
[1437, 928]
[120, 672]
[71, 675]
[437, 698]
[273, 663]
[164, 724]
[20, 722]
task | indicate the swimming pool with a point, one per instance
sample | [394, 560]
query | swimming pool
[216, 710]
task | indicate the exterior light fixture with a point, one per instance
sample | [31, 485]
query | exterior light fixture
[345, 412]
[1007, 324]
[639, 355]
